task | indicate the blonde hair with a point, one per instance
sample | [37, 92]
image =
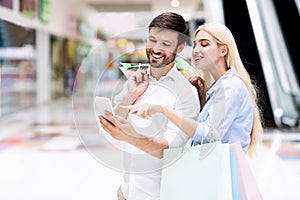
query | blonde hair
[223, 36]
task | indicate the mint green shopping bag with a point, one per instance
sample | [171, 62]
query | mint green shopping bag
[196, 173]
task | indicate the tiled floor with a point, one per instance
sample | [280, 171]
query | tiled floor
[42, 157]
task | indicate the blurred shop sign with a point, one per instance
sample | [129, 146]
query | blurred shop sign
[16, 53]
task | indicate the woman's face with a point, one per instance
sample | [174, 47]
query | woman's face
[206, 54]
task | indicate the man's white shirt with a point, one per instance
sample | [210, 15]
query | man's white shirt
[143, 171]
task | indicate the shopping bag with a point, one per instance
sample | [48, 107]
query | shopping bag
[234, 179]
[246, 183]
[197, 172]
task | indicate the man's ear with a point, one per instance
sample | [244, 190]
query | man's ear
[181, 47]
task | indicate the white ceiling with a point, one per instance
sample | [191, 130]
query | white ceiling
[143, 5]
[119, 17]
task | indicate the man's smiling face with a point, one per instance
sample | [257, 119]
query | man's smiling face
[161, 46]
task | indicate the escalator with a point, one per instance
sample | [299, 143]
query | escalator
[289, 20]
[265, 33]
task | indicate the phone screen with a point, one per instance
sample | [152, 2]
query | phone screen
[103, 104]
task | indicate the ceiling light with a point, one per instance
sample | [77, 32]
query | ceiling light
[175, 3]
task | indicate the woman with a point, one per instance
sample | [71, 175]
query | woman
[230, 113]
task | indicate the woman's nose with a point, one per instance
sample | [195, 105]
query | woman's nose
[197, 48]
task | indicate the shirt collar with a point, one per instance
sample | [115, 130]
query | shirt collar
[216, 84]
[171, 75]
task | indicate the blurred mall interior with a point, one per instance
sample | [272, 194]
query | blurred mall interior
[56, 56]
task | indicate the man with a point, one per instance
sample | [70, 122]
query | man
[161, 84]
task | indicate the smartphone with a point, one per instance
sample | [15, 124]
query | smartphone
[101, 105]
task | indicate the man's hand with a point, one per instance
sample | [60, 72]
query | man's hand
[124, 131]
[137, 84]
[118, 127]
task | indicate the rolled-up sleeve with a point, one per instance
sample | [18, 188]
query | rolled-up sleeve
[174, 136]
[188, 106]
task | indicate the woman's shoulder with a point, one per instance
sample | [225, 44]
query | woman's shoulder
[234, 85]
[234, 80]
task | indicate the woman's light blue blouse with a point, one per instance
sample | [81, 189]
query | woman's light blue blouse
[227, 114]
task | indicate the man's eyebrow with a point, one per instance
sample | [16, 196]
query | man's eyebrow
[167, 41]
[153, 37]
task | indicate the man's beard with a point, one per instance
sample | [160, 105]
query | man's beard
[164, 62]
